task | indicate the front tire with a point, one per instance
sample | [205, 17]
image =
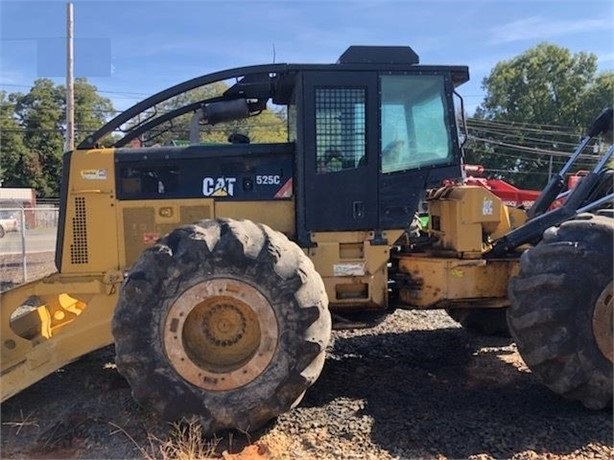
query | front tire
[561, 310]
[226, 320]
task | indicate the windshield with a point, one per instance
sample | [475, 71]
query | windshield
[414, 122]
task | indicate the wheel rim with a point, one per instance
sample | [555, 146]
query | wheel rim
[220, 334]
[603, 322]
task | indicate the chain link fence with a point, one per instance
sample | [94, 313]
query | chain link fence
[27, 243]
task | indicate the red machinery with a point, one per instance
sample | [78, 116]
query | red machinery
[512, 196]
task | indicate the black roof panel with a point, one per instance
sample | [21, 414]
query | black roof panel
[379, 55]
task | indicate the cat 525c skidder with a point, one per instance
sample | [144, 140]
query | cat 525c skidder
[218, 270]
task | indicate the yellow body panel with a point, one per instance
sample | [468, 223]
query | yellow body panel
[90, 234]
[278, 214]
[141, 223]
[434, 282]
[35, 338]
[467, 218]
[354, 271]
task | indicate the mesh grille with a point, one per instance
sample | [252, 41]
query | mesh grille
[78, 248]
[340, 125]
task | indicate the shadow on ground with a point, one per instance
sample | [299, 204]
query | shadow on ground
[432, 393]
[426, 389]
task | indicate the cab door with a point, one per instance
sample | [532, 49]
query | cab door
[419, 146]
[340, 151]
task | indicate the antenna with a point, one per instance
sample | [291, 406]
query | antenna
[273, 53]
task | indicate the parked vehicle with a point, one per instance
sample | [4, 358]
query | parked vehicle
[8, 223]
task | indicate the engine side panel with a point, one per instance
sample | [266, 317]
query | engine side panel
[88, 242]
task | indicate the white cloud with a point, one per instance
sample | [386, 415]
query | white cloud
[538, 28]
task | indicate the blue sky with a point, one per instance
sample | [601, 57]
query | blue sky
[132, 49]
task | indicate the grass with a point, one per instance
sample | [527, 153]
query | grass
[25, 421]
[186, 442]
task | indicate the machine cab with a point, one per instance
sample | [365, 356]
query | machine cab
[367, 136]
[372, 136]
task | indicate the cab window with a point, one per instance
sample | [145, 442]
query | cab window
[340, 128]
[414, 122]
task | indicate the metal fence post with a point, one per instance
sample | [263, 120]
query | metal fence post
[23, 244]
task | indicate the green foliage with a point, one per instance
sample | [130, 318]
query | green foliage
[268, 126]
[32, 129]
[598, 96]
[91, 110]
[13, 152]
[179, 128]
[536, 103]
[39, 114]
[542, 85]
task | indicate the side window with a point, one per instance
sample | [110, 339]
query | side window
[292, 122]
[148, 181]
[414, 122]
[340, 128]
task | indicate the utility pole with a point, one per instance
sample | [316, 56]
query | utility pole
[70, 89]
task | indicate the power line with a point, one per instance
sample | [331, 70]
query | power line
[521, 137]
[534, 150]
[13, 85]
[510, 171]
[511, 129]
[558, 161]
[132, 93]
[527, 126]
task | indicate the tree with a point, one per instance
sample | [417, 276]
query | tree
[13, 153]
[537, 105]
[39, 113]
[91, 110]
[33, 125]
[598, 95]
[269, 126]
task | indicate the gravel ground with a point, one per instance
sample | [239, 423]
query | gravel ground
[11, 268]
[416, 386]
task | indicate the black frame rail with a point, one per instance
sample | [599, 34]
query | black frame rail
[580, 199]
[253, 82]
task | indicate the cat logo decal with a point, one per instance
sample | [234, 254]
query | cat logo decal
[220, 186]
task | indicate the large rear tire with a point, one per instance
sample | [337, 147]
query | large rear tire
[482, 321]
[561, 310]
[226, 320]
